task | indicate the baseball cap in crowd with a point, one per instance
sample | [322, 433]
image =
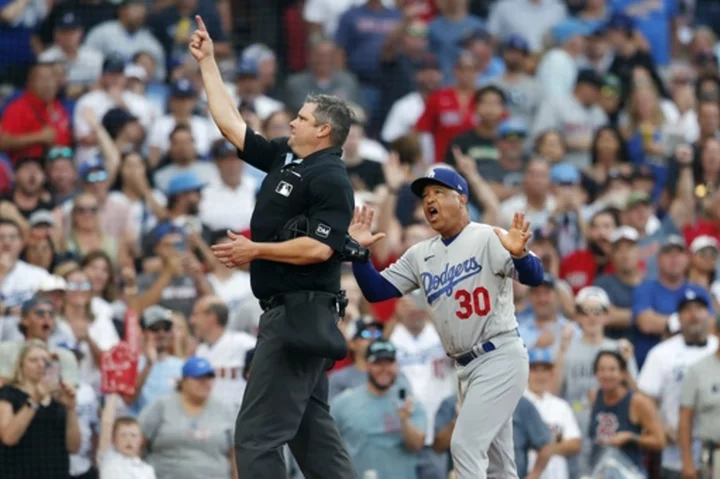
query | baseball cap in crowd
[545, 233]
[513, 129]
[183, 88]
[247, 67]
[58, 152]
[42, 218]
[114, 63]
[621, 21]
[38, 300]
[692, 293]
[93, 171]
[516, 42]
[184, 182]
[381, 349]
[702, 242]
[624, 233]
[672, 242]
[568, 29]
[52, 283]
[159, 232]
[548, 279]
[540, 356]
[368, 329]
[565, 174]
[440, 175]
[222, 148]
[197, 367]
[116, 119]
[68, 21]
[155, 314]
[592, 293]
[477, 34]
[133, 70]
[589, 77]
[28, 160]
[637, 198]
[258, 52]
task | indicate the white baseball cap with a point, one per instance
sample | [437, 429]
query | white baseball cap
[593, 293]
[702, 242]
[52, 283]
[135, 71]
[627, 233]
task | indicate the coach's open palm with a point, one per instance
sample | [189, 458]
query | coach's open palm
[361, 227]
[201, 45]
[516, 238]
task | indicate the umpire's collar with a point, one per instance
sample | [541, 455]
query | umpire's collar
[331, 152]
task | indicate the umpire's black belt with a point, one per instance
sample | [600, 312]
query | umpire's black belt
[486, 347]
[319, 297]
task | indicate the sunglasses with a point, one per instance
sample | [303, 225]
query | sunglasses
[81, 210]
[79, 286]
[60, 152]
[96, 176]
[708, 251]
[43, 313]
[161, 326]
[592, 310]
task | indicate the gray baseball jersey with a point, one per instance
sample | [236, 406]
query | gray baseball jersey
[467, 282]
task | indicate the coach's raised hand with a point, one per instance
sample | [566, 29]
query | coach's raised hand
[517, 237]
[361, 227]
[201, 45]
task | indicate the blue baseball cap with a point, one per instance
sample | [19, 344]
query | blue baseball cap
[381, 349]
[184, 182]
[540, 356]
[247, 67]
[114, 63]
[196, 367]
[565, 174]
[183, 88]
[93, 171]
[621, 21]
[693, 293]
[513, 129]
[516, 42]
[564, 31]
[68, 21]
[440, 175]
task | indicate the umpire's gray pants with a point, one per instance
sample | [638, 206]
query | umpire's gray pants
[491, 387]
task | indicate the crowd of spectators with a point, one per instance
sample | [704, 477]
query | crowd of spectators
[598, 118]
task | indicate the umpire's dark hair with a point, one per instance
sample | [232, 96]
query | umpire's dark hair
[221, 312]
[336, 113]
[614, 354]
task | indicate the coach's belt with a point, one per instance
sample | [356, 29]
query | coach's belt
[486, 347]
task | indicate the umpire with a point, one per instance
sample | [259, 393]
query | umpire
[298, 232]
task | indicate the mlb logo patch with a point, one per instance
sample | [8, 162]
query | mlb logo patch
[284, 188]
[323, 231]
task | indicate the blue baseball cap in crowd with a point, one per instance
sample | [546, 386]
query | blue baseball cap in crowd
[621, 21]
[196, 367]
[440, 175]
[247, 67]
[381, 349]
[565, 30]
[93, 171]
[516, 42]
[540, 356]
[68, 21]
[513, 129]
[693, 293]
[565, 174]
[114, 63]
[183, 88]
[184, 182]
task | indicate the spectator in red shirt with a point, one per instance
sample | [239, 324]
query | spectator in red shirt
[451, 111]
[36, 120]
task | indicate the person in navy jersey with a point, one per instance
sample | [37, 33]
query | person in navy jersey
[655, 20]
[655, 300]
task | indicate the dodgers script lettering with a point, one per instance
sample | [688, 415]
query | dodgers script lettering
[436, 285]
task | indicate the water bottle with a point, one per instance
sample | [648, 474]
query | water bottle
[370, 474]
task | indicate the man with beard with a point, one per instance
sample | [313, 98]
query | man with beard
[667, 363]
[28, 194]
[581, 267]
[521, 90]
[382, 426]
[183, 204]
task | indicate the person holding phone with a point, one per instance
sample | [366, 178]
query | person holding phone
[39, 427]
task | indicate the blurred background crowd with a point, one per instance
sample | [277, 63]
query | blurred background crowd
[599, 118]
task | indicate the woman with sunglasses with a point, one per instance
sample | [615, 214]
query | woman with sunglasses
[93, 330]
[38, 423]
[621, 418]
[189, 434]
[86, 233]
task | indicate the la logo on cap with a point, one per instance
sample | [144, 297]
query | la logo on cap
[431, 174]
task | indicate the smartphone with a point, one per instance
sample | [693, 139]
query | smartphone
[402, 394]
[53, 374]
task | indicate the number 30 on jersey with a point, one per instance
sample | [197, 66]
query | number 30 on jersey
[476, 302]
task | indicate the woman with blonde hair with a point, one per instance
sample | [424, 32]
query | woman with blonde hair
[86, 233]
[39, 427]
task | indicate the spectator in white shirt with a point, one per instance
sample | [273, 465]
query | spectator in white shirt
[536, 198]
[182, 158]
[224, 349]
[183, 100]
[530, 18]
[558, 69]
[234, 189]
[83, 64]
[557, 414]
[128, 35]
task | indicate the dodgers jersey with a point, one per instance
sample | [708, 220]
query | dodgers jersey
[467, 283]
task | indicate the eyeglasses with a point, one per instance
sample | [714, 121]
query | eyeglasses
[161, 326]
[60, 152]
[96, 176]
[371, 334]
[81, 210]
[79, 286]
[43, 313]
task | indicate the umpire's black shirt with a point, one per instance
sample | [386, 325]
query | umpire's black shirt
[317, 186]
